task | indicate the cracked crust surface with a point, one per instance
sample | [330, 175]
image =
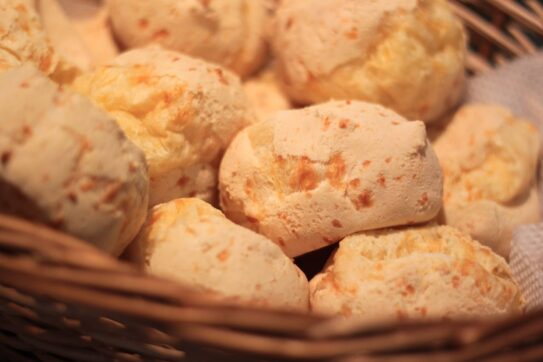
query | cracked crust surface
[306, 178]
[226, 32]
[66, 163]
[23, 40]
[423, 272]
[489, 159]
[408, 55]
[192, 242]
[182, 112]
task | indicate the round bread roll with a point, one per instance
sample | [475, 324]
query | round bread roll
[226, 32]
[23, 39]
[412, 273]
[66, 163]
[192, 242]
[407, 55]
[265, 94]
[182, 112]
[489, 159]
[307, 178]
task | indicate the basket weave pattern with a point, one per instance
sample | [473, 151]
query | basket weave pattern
[62, 300]
[110, 311]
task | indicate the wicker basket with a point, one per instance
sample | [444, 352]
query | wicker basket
[62, 300]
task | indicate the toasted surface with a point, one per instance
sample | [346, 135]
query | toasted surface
[227, 32]
[489, 158]
[181, 111]
[192, 242]
[306, 178]
[405, 54]
[417, 272]
[67, 163]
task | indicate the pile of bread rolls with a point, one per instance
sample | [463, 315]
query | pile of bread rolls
[213, 141]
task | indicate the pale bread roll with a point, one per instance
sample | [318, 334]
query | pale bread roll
[66, 163]
[408, 55]
[226, 32]
[190, 241]
[23, 40]
[489, 159]
[307, 178]
[181, 111]
[265, 94]
[415, 273]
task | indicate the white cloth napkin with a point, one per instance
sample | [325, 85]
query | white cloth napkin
[519, 86]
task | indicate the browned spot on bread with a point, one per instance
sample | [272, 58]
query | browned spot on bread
[143, 23]
[366, 163]
[6, 156]
[381, 180]
[364, 200]
[220, 74]
[398, 178]
[45, 63]
[24, 84]
[289, 23]
[258, 286]
[423, 200]
[248, 188]
[251, 219]
[282, 216]
[336, 223]
[409, 290]
[111, 192]
[88, 185]
[344, 123]
[72, 197]
[336, 170]
[352, 33]
[422, 310]
[281, 242]
[160, 34]
[354, 183]
[466, 267]
[21, 8]
[27, 131]
[325, 123]
[144, 78]
[280, 160]
[304, 178]
[455, 281]
[168, 98]
[395, 123]
[182, 181]
[223, 255]
[388, 159]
